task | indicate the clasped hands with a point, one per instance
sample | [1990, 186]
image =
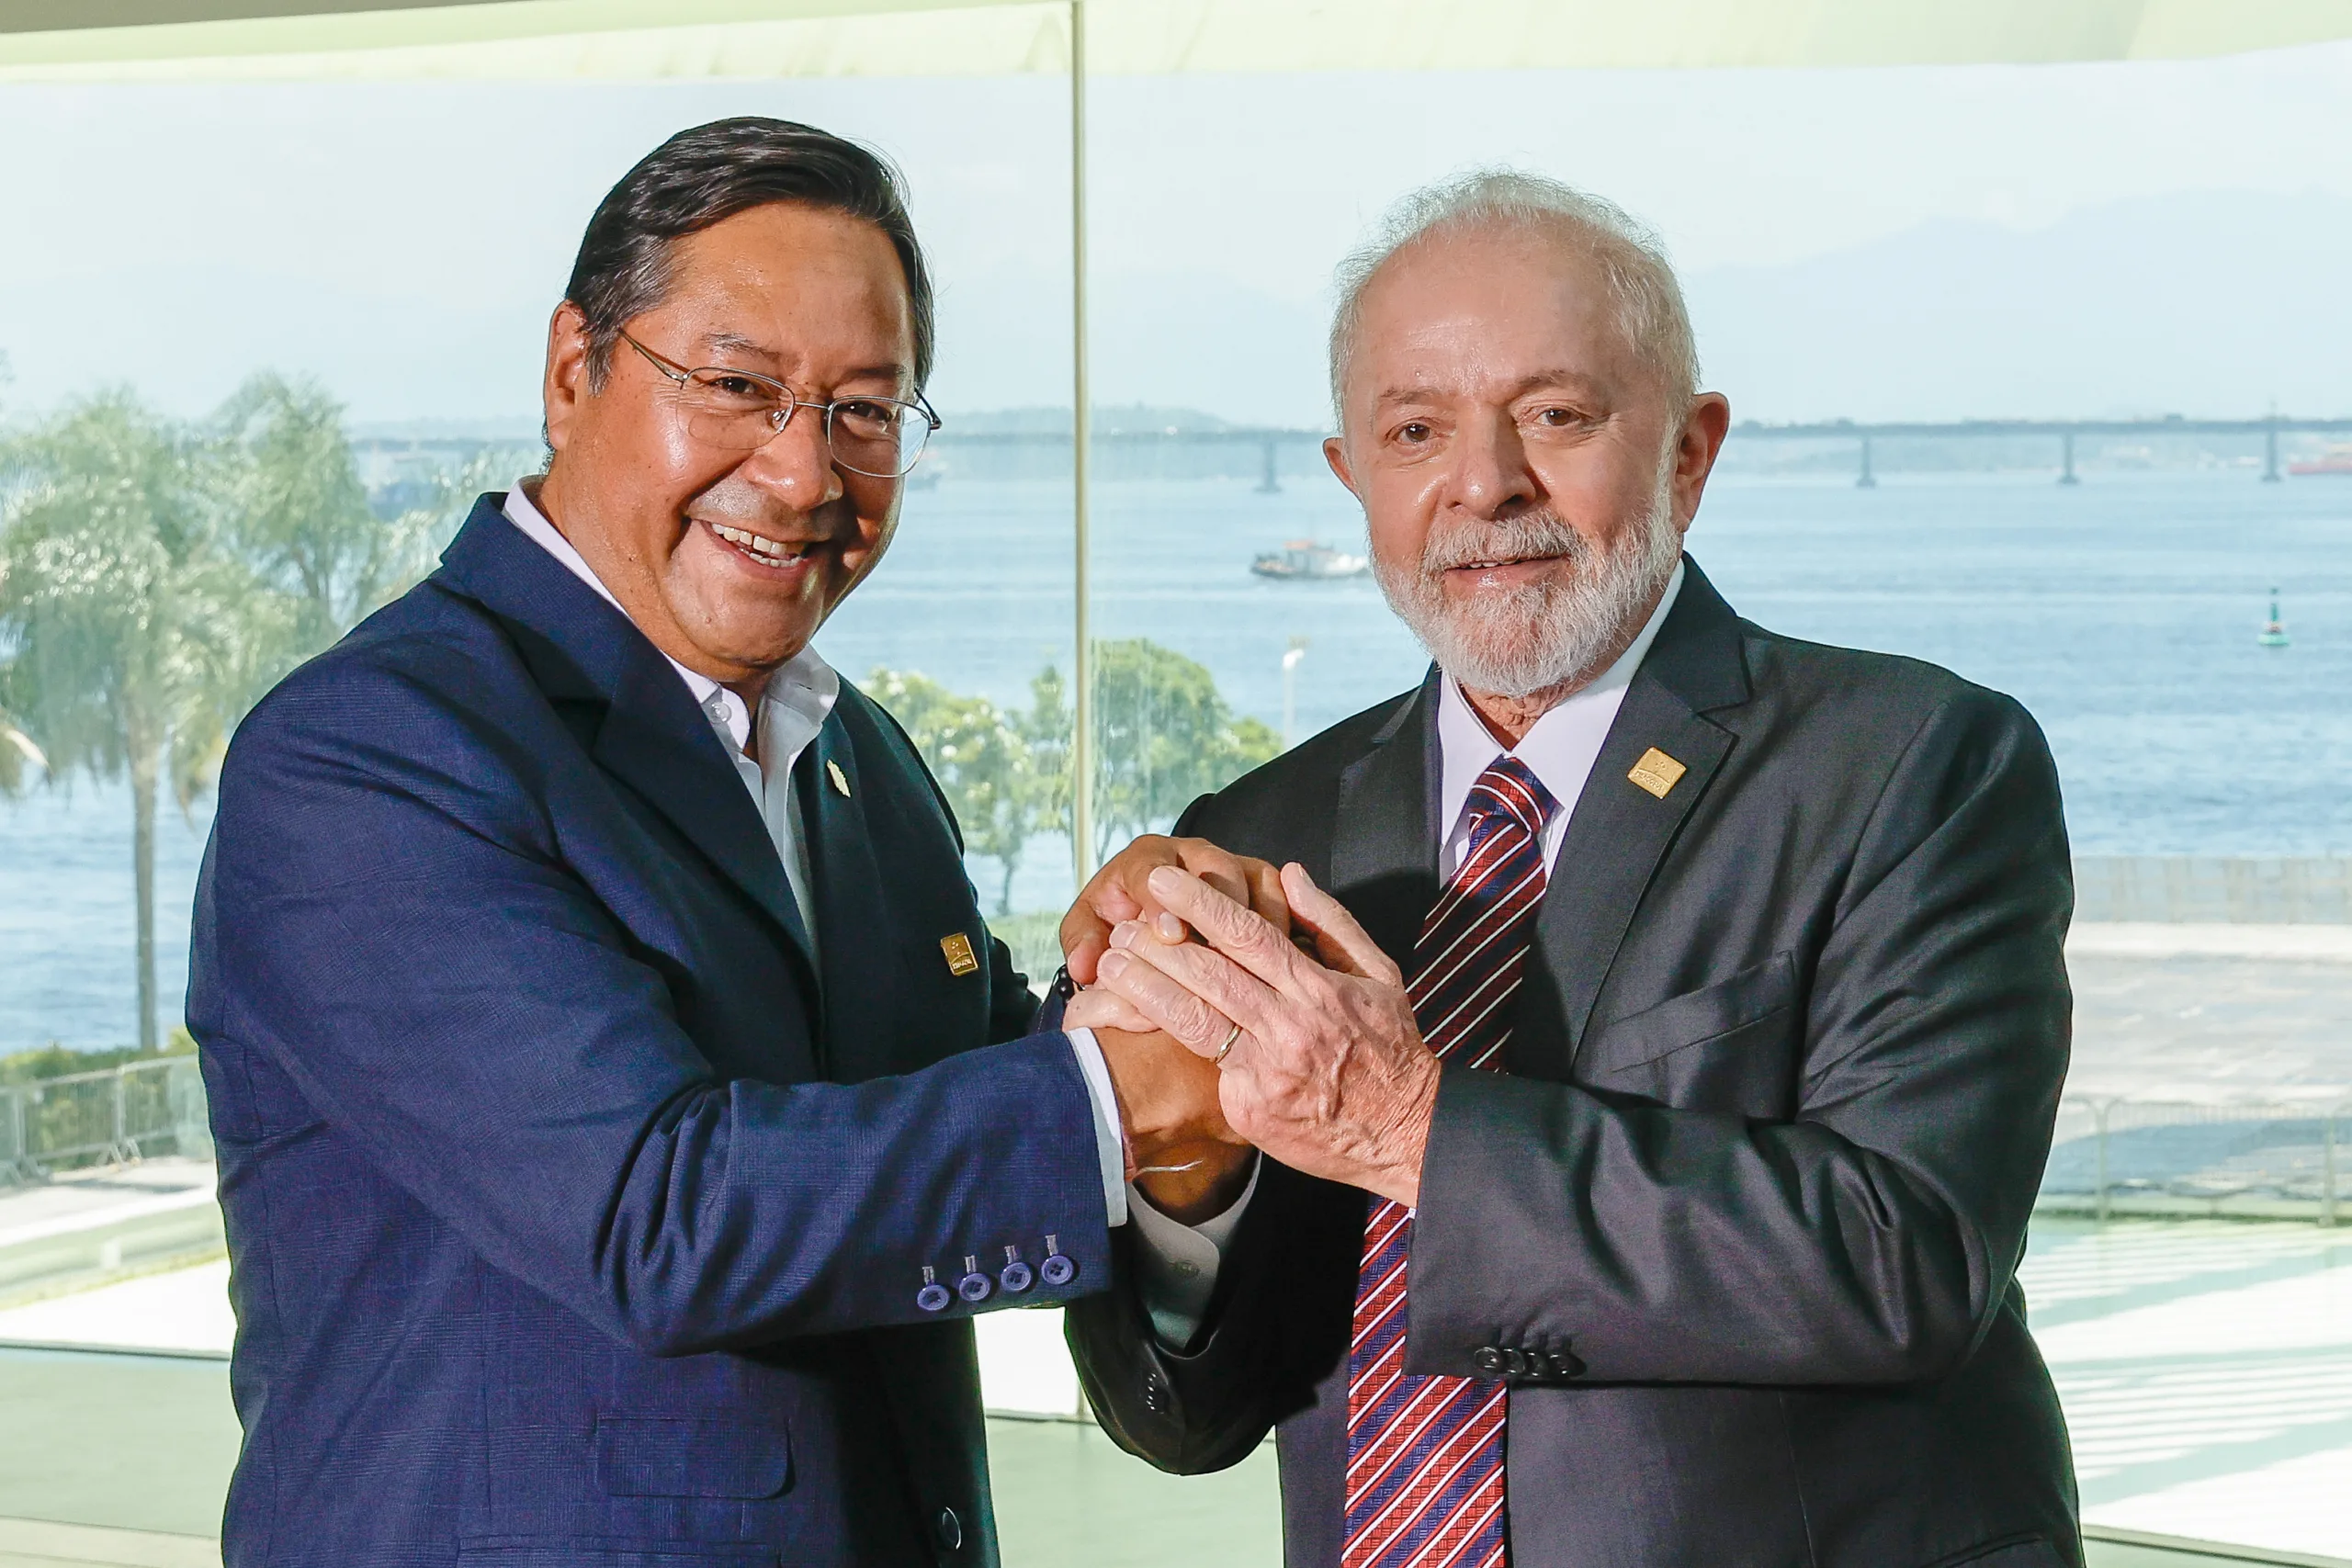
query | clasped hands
[1240, 1007]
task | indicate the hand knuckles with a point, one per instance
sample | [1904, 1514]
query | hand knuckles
[1199, 1019]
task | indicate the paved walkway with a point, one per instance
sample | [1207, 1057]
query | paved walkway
[2205, 1368]
[121, 1461]
[2196, 1025]
[89, 1226]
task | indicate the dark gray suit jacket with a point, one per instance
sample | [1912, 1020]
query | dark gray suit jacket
[1742, 1220]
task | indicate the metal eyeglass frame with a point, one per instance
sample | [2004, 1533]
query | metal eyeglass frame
[791, 402]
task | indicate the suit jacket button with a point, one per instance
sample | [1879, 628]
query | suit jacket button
[1017, 1277]
[949, 1529]
[1517, 1364]
[975, 1286]
[1487, 1359]
[934, 1298]
[1564, 1365]
[1058, 1270]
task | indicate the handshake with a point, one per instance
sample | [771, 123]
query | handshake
[1242, 1008]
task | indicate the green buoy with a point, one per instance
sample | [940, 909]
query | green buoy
[2273, 632]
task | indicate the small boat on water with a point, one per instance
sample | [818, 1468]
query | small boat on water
[2335, 460]
[1305, 558]
[2274, 631]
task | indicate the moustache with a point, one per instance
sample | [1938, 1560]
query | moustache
[1524, 537]
[735, 504]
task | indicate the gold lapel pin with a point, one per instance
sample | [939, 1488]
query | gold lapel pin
[961, 960]
[840, 779]
[1656, 772]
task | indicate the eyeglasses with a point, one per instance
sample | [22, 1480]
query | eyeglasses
[737, 411]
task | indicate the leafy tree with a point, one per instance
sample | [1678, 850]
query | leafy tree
[981, 759]
[131, 639]
[1049, 728]
[1163, 737]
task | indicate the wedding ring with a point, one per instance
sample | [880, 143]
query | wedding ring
[1218, 1060]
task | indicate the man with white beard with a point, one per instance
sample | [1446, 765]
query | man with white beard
[1645, 1154]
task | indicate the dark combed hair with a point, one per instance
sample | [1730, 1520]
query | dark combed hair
[705, 175]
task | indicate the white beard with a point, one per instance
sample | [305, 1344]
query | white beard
[1522, 640]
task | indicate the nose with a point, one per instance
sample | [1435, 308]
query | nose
[1490, 475]
[796, 465]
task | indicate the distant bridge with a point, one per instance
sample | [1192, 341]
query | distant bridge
[1270, 439]
[1862, 433]
[2269, 428]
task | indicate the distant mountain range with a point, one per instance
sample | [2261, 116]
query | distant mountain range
[2214, 304]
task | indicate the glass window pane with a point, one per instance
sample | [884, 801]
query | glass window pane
[2137, 266]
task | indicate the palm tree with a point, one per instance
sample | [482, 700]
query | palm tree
[296, 511]
[131, 639]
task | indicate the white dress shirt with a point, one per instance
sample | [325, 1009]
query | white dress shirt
[1176, 1264]
[794, 706]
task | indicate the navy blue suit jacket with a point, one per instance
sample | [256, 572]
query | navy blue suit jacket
[576, 1214]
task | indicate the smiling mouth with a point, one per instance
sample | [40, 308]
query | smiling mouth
[1499, 562]
[759, 547]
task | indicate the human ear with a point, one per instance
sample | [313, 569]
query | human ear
[1702, 441]
[1335, 452]
[565, 384]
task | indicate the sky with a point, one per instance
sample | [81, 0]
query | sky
[1884, 244]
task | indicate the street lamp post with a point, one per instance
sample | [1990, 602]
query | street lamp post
[1296, 651]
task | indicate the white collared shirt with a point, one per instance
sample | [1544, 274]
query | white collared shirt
[799, 698]
[1176, 1264]
[1559, 749]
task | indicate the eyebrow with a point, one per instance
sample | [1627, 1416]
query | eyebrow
[1526, 384]
[736, 342]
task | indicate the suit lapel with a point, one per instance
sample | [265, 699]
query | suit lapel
[1621, 830]
[656, 741]
[1384, 846]
[642, 723]
[846, 885]
[1616, 838]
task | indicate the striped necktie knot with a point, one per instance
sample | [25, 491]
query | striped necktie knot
[1508, 791]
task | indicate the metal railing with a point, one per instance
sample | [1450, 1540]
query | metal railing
[2124, 1154]
[2111, 1154]
[103, 1118]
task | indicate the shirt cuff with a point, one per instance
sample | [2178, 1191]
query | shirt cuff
[1110, 1142]
[1176, 1264]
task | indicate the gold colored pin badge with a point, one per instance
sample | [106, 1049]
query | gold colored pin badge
[840, 782]
[960, 958]
[1656, 772]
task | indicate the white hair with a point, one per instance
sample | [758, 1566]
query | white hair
[1648, 299]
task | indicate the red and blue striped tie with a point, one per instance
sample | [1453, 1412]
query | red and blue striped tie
[1425, 1454]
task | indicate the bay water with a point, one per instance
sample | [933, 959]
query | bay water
[2122, 611]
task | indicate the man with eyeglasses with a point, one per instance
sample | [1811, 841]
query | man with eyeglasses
[621, 1106]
